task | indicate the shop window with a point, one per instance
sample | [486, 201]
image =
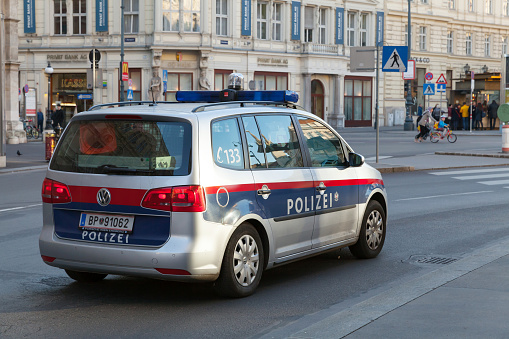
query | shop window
[269, 81]
[358, 101]
[221, 79]
[178, 82]
[135, 76]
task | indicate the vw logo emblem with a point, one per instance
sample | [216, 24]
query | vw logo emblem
[103, 197]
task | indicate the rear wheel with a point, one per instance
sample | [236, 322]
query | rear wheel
[85, 276]
[452, 138]
[242, 265]
[372, 234]
[35, 133]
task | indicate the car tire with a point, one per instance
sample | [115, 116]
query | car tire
[243, 263]
[372, 233]
[85, 276]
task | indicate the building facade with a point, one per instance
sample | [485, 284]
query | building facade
[298, 45]
[453, 38]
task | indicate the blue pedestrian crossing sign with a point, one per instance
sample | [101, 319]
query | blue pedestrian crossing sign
[129, 94]
[428, 89]
[441, 88]
[394, 59]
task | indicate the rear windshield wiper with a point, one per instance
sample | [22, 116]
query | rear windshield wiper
[119, 169]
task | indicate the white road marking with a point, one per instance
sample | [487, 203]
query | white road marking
[471, 171]
[19, 208]
[494, 182]
[486, 176]
[379, 157]
[444, 195]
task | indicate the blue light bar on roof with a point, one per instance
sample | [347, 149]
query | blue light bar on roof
[217, 96]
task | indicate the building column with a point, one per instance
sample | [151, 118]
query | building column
[14, 128]
[307, 92]
[337, 118]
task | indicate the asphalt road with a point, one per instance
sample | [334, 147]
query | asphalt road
[430, 215]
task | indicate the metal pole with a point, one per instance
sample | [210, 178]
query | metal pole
[122, 51]
[409, 124]
[376, 107]
[3, 131]
[93, 79]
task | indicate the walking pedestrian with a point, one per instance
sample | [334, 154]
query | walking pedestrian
[456, 117]
[492, 114]
[423, 125]
[419, 110]
[40, 120]
[58, 117]
[465, 114]
[436, 112]
[478, 116]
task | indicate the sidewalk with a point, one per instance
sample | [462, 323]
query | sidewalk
[468, 298]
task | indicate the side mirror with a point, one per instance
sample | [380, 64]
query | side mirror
[355, 159]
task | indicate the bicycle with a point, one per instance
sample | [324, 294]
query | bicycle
[435, 136]
[31, 131]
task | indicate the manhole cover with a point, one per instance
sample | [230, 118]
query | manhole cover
[431, 260]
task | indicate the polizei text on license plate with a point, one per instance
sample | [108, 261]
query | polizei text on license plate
[107, 222]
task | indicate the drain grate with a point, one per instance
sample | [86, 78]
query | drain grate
[436, 260]
[431, 260]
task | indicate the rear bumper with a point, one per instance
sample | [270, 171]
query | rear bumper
[195, 246]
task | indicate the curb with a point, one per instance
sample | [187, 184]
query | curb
[22, 169]
[497, 155]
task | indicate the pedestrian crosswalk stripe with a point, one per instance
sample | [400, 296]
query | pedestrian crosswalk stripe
[484, 170]
[486, 176]
[494, 182]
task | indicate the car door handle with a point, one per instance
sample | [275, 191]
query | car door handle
[264, 190]
[321, 187]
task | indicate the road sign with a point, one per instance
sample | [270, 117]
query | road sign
[165, 87]
[83, 96]
[26, 88]
[130, 82]
[409, 74]
[394, 58]
[441, 88]
[428, 76]
[129, 94]
[441, 79]
[97, 56]
[428, 89]
[165, 75]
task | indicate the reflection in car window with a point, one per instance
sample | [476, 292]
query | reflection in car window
[324, 147]
[254, 143]
[226, 144]
[129, 147]
[280, 141]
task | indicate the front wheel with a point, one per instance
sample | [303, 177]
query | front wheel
[85, 276]
[372, 233]
[242, 265]
[452, 138]
[434, 138]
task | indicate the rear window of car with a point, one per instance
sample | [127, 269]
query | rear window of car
[125, 147]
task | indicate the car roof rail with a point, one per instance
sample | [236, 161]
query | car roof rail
[130, 103]
[216, 105]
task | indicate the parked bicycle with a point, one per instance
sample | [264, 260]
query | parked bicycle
[436, 135]
[31, 130]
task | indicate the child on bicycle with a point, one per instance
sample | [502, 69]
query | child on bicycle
[442, 126]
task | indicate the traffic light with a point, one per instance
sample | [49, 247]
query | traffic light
[407, 87]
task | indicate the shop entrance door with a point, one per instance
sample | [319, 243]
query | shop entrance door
[317, 98]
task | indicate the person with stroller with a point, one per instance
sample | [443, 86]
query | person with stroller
[423, 125]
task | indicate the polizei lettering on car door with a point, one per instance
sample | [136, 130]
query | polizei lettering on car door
[311, 203]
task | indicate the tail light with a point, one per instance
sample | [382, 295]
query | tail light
[176, 199]
[55, 192]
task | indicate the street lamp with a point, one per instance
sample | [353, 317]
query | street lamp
[48, 70]
[484, 69]
[466, 68]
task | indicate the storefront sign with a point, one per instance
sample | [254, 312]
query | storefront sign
[340, 20]
[421, 60]
[67, 57]
[125, 71]
[295, 20]
[278, 62]
[379, 29]
[29, 14]
[73, 83]
[101, 15]
[246, 17]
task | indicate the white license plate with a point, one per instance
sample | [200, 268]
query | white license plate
[107, 222]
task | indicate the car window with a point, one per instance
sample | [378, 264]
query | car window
[226, 144]
[254, 143]
[324, 146]
[280, 141]
[125, 147]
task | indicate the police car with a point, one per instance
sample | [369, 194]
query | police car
[216, 187]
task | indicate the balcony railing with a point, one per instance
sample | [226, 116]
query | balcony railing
[312, 48]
